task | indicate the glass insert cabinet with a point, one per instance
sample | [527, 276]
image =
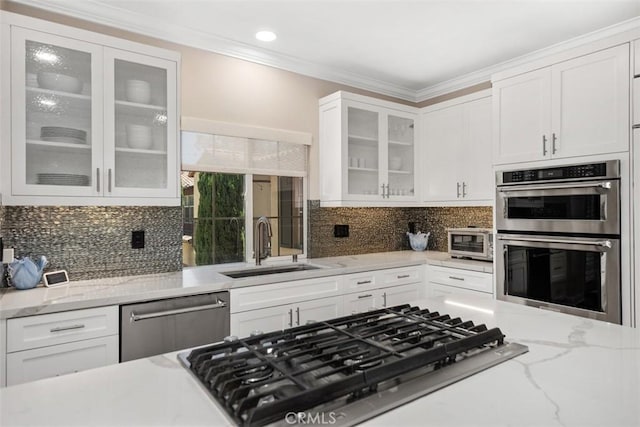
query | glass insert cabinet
[367, 151]
[90, 120]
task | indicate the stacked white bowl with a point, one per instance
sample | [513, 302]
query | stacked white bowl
[139, 136]
[138, 91]
[61, 82]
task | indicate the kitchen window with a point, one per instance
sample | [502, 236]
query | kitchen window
[228, 182]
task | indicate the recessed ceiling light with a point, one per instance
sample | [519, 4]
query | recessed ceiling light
[266, 36]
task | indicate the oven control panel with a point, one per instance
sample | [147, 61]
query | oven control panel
[591, 170]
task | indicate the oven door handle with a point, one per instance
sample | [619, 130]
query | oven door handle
[601, 243]
[604, 184]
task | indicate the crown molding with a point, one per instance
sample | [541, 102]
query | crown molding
[104, 14]
[108, 15]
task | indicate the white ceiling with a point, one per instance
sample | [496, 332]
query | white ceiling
[410, 49]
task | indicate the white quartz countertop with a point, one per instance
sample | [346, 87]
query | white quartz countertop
[578, 372]
[196, 280]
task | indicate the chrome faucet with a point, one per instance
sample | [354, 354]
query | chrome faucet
[262, 245]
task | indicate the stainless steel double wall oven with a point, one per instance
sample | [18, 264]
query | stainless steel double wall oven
[558, 240]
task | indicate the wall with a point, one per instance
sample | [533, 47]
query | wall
[91, 242]
[384, 229]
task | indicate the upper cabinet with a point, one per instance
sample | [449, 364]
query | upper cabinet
[368, 152]
[92, 123]
[457, 151]
[574, 108]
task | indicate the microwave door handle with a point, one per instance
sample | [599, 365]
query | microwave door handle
[604, 184]
[602, 243]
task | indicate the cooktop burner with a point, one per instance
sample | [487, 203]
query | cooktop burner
[392, 355]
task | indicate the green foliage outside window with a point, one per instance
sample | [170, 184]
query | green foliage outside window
[219, 234]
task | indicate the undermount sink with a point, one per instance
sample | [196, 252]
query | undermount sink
[261, 271]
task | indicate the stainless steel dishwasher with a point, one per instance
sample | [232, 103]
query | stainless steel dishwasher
[161, 326]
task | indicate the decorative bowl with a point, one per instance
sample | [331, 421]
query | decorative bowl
[418, 241]
[60, 82]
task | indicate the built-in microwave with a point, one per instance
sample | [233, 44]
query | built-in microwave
[473, 243]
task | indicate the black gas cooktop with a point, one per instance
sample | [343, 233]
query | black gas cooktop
[326, 370]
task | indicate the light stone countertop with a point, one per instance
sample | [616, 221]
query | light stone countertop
[197, 280]
[578, 372]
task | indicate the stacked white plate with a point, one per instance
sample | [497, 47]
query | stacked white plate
[62, 179]
[60, 134]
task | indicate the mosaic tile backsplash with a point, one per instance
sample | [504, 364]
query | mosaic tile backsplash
[384, 229]
[95, 241]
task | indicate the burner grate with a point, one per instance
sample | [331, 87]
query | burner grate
[261, 378]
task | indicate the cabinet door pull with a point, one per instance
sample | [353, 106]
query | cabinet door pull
[456, 278]
[363, 282]
[298, 316]
[364, 296]
[464, 189]
[290, 317]
[403, 276]
[98, 180]
[109, 174]
[544, 145]
[66, 328]
[458, 190]
[382, 186]
[384, 299]
[553, 143]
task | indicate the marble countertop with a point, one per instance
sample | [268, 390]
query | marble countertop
[196, 280]
[578, 372]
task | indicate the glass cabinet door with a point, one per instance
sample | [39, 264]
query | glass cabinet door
[140, 125]
[401, 156]
[56, 104]
[363, 151]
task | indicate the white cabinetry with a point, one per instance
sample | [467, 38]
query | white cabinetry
[574, 108]
[93, 120]
[381, 288]
[368, 152]
[457, 151]
[448, 280]
[60, 343]
[279, 306]
[283, 305]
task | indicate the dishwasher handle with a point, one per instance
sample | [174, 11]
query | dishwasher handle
[136, 317]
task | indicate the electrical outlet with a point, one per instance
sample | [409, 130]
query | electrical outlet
[341, 230]
[137, 239]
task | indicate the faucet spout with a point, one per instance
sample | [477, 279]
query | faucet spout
[262, 239]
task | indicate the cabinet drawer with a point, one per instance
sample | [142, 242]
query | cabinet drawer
[25, 333]
[472, 280]
[401, 276]
[361, 281]
[436, 289]
[256, 297]
[53, 361]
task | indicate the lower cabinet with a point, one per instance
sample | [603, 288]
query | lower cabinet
[285, 316]
[447, 281]
[56, 360]
[50, 345]
[279, 306]
[379, 298]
